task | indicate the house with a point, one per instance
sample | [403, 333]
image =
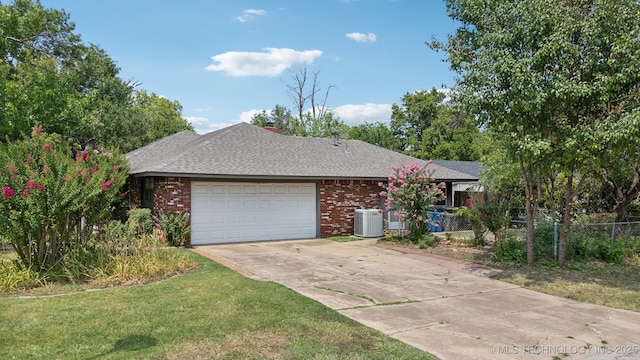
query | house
[461, 190]
[245, 183]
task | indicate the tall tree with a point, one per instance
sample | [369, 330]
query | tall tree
[304, 90]
[428, 128]
[48, 77]
[281, 119]
[35, 45]
[376, 133]
[545, 74]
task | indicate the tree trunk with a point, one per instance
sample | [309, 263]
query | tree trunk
[529, 209]
[566, 222]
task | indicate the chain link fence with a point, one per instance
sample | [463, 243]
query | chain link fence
[443, 221]
[583, 240]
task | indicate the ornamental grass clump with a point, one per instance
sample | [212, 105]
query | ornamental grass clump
[412, 192]
[54, 195]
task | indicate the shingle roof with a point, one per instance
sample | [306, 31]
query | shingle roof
[466, 167]
[245, 150]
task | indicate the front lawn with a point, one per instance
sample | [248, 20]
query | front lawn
[612, 285]
[210, 312]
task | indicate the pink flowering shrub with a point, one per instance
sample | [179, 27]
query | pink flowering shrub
[51, 198]
[412, 192]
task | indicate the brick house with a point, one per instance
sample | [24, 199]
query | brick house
[244, 183]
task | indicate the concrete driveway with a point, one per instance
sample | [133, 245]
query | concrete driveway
[449, 309]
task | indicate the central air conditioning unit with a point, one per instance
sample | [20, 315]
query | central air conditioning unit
[368, 223]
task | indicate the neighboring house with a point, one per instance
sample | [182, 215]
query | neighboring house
[245, 183]
[460, 190]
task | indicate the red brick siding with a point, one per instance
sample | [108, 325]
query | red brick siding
[338, 201]
[172, 194]
[135, 192]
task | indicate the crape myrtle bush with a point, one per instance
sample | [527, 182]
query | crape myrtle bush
[53, 196]
[412, 192]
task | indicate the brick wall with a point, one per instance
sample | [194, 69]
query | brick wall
[338, 201]
[172, 194]
[135, 192]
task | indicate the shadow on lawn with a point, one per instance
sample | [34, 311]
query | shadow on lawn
[130, 343]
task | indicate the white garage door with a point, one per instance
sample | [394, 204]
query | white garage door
[239, 212]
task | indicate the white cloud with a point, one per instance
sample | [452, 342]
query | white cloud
[272, 62]
[246, 116]
[200, 124]
[360, 37]
[250, 14]
[196, 121]
[357, 114]
[203, 126]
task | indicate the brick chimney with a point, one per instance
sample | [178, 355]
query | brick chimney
[270, 127]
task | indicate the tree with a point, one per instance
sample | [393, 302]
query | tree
[280, 117]
[301, 93]
[623, 178]
[34, 89]
[310, 126]
[49, 78]
[322, 127]
[51, 199]
[427, 128]
[549, 77]
[376, 133]
[318, 121]
[412, 191]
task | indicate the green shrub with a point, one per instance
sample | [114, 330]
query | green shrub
[174, 226]
[479, 229]
[14, 278]
[140, 222]
[53, 194]
[611, 253]
[427, 240]
[543, 245]
[630, 245]
[115, 230]
[577, 248]
[510, 251]
[413, 190]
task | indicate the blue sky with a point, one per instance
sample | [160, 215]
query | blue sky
[225, 60]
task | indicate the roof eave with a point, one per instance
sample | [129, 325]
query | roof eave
[273, 177]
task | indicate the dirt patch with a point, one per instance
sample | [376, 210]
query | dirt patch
[455, 245]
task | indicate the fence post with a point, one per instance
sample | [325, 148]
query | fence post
[555, 240]
[613, 233]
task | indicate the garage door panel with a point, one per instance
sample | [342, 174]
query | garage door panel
[232, 205]
[199, 189]
[250, 205]
[232, 212]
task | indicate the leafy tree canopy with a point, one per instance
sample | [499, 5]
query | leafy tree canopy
[427, 128]
[557, 80]
[48, 77]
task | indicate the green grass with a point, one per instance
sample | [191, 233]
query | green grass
[611, 285]
[342, 239]
[210, 312]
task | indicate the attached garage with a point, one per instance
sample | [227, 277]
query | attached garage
[226, 212]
